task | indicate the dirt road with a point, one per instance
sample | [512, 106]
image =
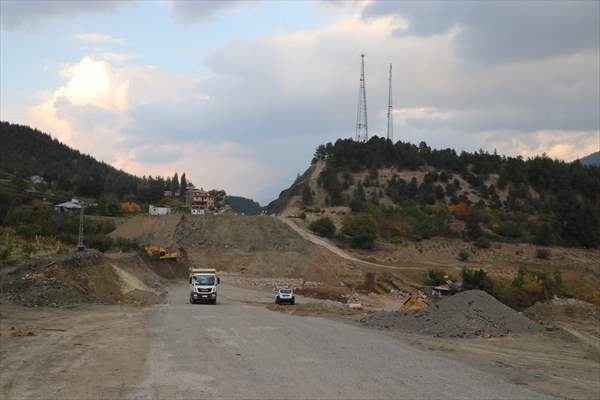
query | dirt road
[237, 351]
[336, 250]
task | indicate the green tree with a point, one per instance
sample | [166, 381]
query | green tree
[323, 227]
[183, 186]
[362, 228]
[359, 199]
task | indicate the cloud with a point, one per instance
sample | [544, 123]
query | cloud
[254, 120]
[98, 38]
[95, 111]
[500, 31]
[29, 14]
[192, 11]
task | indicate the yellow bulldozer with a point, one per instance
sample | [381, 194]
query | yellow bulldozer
[159, 253]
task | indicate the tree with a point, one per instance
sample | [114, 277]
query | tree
[323, 227]
[359, 198]
[183, 186]
[175, 183]
[362, 228]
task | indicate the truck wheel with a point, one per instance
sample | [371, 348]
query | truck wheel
[214, 301]
[293, 302]
[191, 301]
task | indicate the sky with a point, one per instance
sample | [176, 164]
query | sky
[238, 94]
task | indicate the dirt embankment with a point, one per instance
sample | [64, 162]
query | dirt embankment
[150, 230]
[88, 277]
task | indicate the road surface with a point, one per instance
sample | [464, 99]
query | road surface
[237, 351]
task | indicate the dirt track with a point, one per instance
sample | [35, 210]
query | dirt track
[233, 350]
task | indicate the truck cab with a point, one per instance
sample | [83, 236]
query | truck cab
[203, 285]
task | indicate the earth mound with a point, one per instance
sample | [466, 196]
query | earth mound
[473, 313]
[88, 277]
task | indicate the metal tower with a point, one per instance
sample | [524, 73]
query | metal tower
[362, 128]
[390, 111]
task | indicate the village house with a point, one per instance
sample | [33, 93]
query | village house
[198, 200]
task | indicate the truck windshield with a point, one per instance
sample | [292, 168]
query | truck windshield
[204, 280]
[285, 291]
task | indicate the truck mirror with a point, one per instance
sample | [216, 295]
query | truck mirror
[218, 280]
[190, 279]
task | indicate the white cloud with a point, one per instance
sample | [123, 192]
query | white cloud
[253, 123]
[93, 112]
[98, 38]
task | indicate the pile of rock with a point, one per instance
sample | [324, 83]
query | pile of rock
[472, 313]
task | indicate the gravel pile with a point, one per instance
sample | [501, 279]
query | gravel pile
[473, 313]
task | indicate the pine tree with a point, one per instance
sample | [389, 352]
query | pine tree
[183, 186]
[175, 183]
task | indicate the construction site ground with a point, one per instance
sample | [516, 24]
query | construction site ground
[123, 328]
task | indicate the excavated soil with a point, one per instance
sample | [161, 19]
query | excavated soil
[472, 313]
[89, 277]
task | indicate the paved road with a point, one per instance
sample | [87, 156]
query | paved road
[237, 351]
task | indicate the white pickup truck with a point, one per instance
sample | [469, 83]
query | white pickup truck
[203, 285]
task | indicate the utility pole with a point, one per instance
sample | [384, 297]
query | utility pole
[362, 128]
[390, 111]
[80, 245]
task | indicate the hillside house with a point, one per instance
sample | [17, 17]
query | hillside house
[198, 200]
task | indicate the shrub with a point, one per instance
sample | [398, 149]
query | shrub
[509, 229]
[476, 279]
[6, 251]
[542, 254]
[482, 242]
[362, 228]
[435, 277]
[28, 249]
[99, 242]
[124, 244]
[463, 255]
[323, 227]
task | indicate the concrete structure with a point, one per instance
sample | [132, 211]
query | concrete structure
[159, 210]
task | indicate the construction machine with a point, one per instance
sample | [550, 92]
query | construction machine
[159, 253]
[412, 303]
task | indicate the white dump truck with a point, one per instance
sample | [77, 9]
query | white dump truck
[203, 285]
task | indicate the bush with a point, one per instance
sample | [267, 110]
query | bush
[463, 255]
[323, 227]
[476, 279]
[435, 277]
[125, 245]
[99, 242]
[542, 254]
[362, 228]
[483, 243]
[6, 251]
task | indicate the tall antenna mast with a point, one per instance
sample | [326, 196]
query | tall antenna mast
[390, 111]
[362, 128]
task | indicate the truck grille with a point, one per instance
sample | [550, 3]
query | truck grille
[204, 290]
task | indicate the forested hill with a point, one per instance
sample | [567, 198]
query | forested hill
[243, 205]
[592, 159]
[423, 189]
[26, 152]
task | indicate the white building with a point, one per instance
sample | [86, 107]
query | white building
[161, 210]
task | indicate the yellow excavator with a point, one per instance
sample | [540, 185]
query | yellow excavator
[412, 303]
[159, 253]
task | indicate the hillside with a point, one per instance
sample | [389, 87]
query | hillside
[26, 152]
[592, 159]
[415, 192]
[243, 205]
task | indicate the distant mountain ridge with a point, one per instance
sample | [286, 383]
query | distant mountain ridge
[592, 159]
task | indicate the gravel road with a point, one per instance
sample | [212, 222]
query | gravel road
[237, 351]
